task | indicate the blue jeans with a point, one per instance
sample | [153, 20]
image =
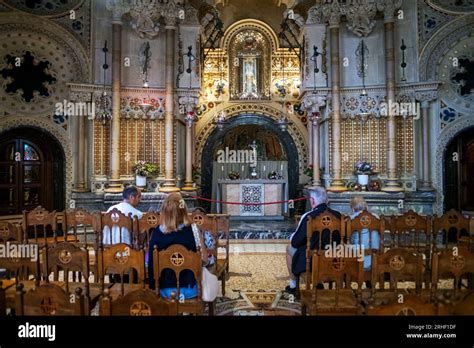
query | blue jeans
[187, 293]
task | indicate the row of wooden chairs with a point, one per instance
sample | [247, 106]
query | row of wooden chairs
[117, 259]
[418, 259]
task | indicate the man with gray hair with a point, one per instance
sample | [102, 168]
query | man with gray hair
[296, 251]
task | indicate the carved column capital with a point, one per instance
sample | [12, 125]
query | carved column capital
[118, 9]
[315, 15]
[388, 7]
[313, 102]
[145, 17]
[425, 97]
[170, 12]
[360, 16]
[332, 13]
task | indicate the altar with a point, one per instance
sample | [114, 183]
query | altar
[251, 192]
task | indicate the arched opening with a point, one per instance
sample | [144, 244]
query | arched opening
[459, 171]
[31, 171]
[250, 125]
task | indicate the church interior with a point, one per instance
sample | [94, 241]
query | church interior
[257, 113]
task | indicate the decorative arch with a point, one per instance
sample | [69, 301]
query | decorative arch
[249, 118]
[56, 132]
[296, 130]
[437, 46]
[447, 135]
[254, 24]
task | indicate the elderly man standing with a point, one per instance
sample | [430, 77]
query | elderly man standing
[296, 251]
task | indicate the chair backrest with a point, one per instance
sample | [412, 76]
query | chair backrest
[68, 258]
[452, 227]
[24, 263]
[412, 305]
[401, 264]
[146, 225]
[48, 299]
[323, 224]
[40, 222]
[141, 302]
[80, 221]
[411, 230]
[177, 258]
[452, 263]
[120, 259]
[115, 226]
[341, 270]
[366, 220]
[209, 224]
[10, 232]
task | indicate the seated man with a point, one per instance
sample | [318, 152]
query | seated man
[296, 252]
[131, 198]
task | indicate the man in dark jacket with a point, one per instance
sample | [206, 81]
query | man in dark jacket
[296, 252]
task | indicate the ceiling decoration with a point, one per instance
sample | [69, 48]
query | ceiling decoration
[50, 8]
[453, 6]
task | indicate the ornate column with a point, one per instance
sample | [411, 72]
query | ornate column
[118, 8]
[389, 7]
[191, 104]
[170, 15]
[313, 103]
[332, 13]
[426, 97]
[80, 185]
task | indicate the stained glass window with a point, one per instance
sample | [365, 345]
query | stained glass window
[29, 154]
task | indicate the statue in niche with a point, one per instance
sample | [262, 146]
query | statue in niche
[249, 78]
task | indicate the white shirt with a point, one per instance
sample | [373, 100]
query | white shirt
[126, 209]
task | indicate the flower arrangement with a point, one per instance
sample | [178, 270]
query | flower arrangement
[363, 167]
[274, 175]
[374, 186]
[144, 168]
[233, 175]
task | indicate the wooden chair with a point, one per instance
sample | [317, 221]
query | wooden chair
[48, 299]
[408, 305]
[141, 302]
[223, 228]
[401, 265]
[453, 229]
[145, 227]
[209, 224]
[367, 221]
[324, 224]
[120, 259]
[115, 223]
[10, 232]
[414, 231]
[40, 222]
[22, 268]
[452, 263]
[79, 221]
[340, 301]
[177, 258]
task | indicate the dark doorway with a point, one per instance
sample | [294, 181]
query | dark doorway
[31, 171]
[216, 138]
[459, 172]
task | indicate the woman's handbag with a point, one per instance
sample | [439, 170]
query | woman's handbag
[209, 282]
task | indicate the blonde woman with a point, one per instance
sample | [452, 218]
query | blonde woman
[175, 228]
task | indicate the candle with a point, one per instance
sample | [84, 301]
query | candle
[281, 168]
[222, 168]
[263, 168]
[242, 169]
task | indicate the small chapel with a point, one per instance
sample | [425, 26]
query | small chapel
[321, 150]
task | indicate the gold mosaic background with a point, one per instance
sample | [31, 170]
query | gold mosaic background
[367, 141]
